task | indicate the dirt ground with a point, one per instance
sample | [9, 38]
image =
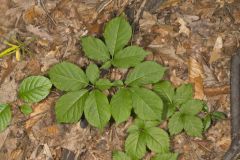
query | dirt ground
[194, 39]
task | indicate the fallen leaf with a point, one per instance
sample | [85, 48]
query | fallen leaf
[47, 151]
[38, 111]
[183, 28]
[51, 131]
[217, 49]
[175, 80]
[219, 90]
[147, 21]
[3, 137]
[168, 52]
[169, 3]
[32, 14]
[196, 75]
[39, 32]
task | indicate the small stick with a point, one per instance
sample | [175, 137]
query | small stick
[234, 150]
[40, 2]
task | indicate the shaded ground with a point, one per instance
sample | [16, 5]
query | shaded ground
[194, 39]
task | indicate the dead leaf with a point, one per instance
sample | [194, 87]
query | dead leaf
[17, 154]
[169, 3]
[38, 112]
[217, 49]
[147, 21]
[3, 137]
[168, 52]
[39, 32]
[8, 90]
[47, 151]
[51, 131]
[195, 75]
[214, 91]
[32, 13]
[175, 80]
[183, 28]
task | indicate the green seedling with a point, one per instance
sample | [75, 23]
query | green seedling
[85, 93]
[17, 47]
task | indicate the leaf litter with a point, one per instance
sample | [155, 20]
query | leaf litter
[173, 32]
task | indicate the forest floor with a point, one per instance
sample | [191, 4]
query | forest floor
[194, 39]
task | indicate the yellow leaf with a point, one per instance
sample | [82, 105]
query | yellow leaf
[18, 55]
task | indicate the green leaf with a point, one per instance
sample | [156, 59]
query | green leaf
[34, 88]
[157, 140]
[106, 65]
[145, 73]
[121, 105]
[69, 107]
[5, 116]
[97, 109]
[176, 123]
[118, 83]
[103, 84]
[135, 145]
[193, 125]
[92, 73]
[117, 155]
[191, 107]
[168, 109]
[129, 57]
[207, 122]
[183, 93]
[166, 156]
[95, 49]
[26, 109]
[165, 90]
[218, 115]
[140, 124]
[147, 104]
[68, 77]
[144, 133]
[117, 33]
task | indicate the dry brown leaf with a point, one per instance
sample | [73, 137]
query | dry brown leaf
[32, 13]
[214, 91]
[167, 52]
[51, 131]
[38, 111]
[195, 75]
[216, 52]
[169, 3]
[17, 154]
[147, 21]
[39, 32]
[183, 28]
[3, 137]
[175, 80]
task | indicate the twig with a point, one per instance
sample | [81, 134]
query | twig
[234, 150]
[103, 5]
[139, 12]
[40, 2]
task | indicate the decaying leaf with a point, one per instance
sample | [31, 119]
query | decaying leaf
[195, 75]
[38, 112]
[32, 13]
[39, 32]
[3, 137]
[216, 52]
[169, 3]
[214, 91]
[147, 21]
[176, 80]
[183, 28]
